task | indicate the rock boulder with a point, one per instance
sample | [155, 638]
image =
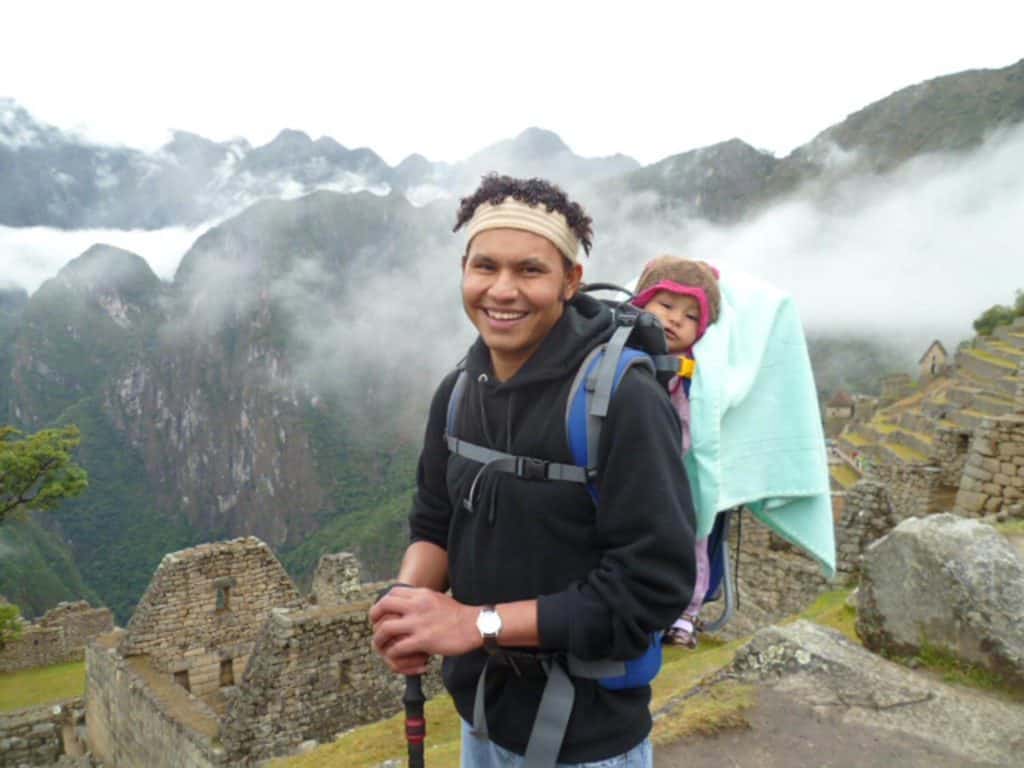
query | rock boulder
[949, 583]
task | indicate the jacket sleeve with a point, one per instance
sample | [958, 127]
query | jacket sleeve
[431, 510]
[645, 529]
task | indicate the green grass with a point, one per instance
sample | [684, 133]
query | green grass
[844, 474]
[854, 438]
[906, 453]
[30, 687]
[958, 672]
[990, 358]
[1011, 528]
[372, 744]
[831, 610]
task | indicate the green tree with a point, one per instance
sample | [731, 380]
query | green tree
[997, 314]
[10, 623]
[37, 471]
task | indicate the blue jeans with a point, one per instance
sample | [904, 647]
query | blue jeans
[481, 753]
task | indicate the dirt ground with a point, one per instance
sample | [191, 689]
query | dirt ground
[786, 733]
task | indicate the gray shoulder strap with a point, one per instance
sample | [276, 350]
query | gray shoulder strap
[453, 402]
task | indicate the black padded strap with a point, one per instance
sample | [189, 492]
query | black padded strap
[523, 467]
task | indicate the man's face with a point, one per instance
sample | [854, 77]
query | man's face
[514, 286]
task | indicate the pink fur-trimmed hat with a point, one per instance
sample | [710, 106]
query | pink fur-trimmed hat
[684, 277]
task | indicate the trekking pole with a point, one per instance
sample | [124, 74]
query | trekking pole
[415, 724]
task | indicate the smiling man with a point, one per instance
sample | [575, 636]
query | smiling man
[548, 584]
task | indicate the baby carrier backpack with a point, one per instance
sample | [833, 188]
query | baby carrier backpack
[638, 340]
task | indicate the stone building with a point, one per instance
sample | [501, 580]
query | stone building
[59, 636]
[224, 663]
[933, 362]
[838, 411]
[839, 406]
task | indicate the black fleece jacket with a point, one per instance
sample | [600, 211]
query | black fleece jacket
[604, 575]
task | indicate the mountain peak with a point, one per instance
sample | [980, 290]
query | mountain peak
[289, 138]
[105, 267]
[541, 140]
[17, 128]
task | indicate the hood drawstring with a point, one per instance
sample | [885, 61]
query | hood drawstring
[492, 489]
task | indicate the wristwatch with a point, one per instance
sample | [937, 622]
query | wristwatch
[489, 624]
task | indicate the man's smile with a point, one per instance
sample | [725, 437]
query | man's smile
[504, 315]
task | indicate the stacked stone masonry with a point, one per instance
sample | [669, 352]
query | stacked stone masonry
[59, 636]
[140, 719]
[201, 614]
[993, 480]
[914, 490]
[336, 579]
[40, 735]
[776, 580]
[312, 675]
[304, 673]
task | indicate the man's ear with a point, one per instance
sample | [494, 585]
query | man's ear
[573, 278]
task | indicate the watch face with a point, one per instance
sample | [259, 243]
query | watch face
[489, 623]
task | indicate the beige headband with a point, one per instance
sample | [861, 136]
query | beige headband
[514, 214]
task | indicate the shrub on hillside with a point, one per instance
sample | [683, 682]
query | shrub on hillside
[999, 314]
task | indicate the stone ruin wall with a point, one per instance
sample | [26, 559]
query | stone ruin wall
[204, 608]
[951, 453]
[993, 482]
[773, 579]
[913, 490]
[40, 735]
[776, 580]
[336, 581]
[312, 675]
[135, 721]
[895, 387]
[60, 636]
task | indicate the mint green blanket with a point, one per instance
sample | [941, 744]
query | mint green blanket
[755, 422]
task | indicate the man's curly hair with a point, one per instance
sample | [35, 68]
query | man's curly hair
[494, 189]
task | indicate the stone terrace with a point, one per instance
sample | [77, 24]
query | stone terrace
[921, 440]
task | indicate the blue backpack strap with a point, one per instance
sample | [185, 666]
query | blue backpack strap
[590, 397]
[587, 406]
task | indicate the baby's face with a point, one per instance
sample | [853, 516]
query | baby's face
[680, 317]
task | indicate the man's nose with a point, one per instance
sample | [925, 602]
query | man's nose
[504, 285]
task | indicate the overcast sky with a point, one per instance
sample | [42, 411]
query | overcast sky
[447, 78]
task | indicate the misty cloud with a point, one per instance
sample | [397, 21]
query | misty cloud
[31, 255]
[910, 256]
[383, 343]
[918, 253]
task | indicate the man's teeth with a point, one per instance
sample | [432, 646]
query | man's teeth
[505, 315]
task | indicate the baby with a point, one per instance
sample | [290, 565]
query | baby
[683, 294]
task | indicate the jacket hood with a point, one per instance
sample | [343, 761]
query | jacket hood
[585, 323]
